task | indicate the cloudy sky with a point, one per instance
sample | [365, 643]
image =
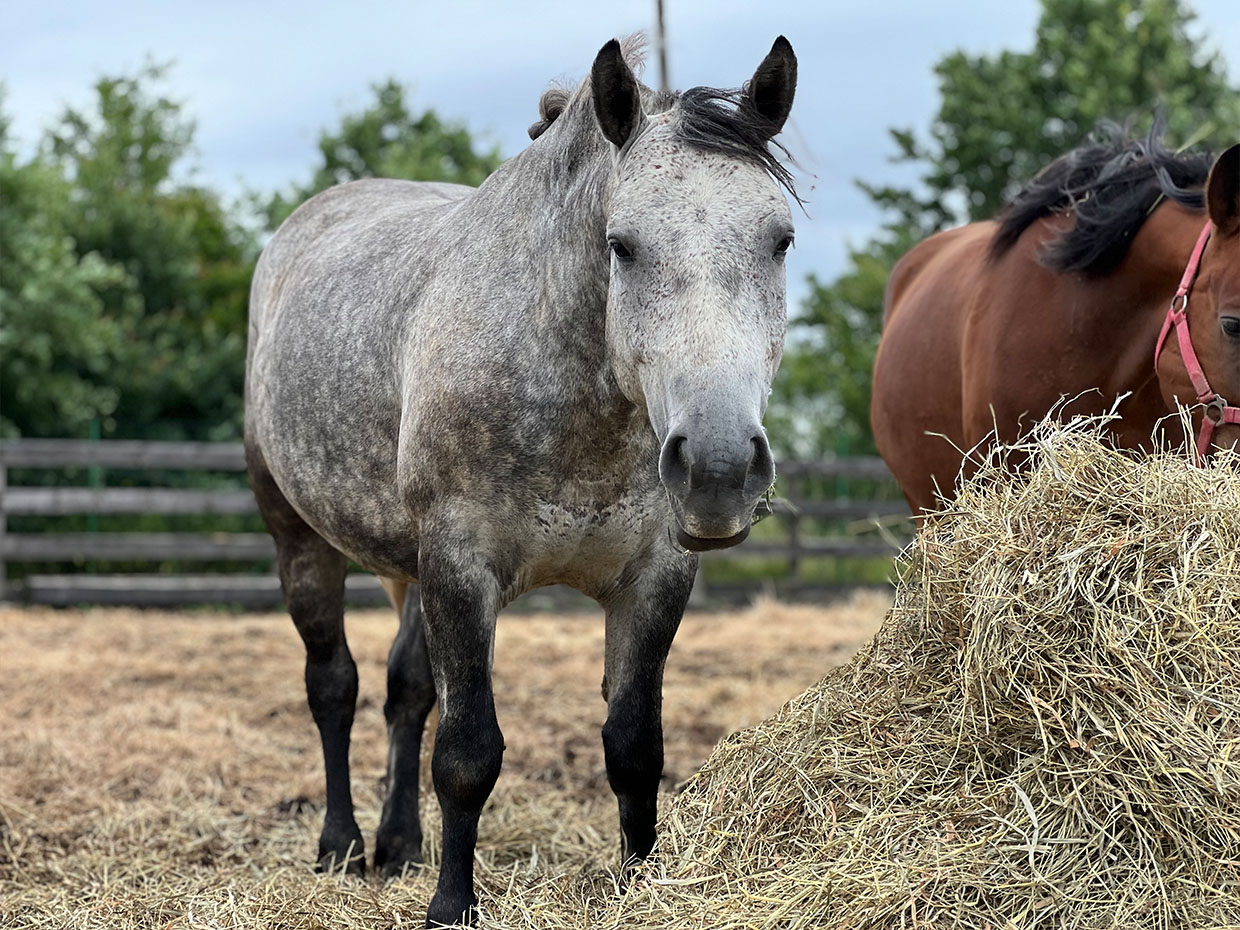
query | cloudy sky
[262, 79]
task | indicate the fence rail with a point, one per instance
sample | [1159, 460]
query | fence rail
[799, 519]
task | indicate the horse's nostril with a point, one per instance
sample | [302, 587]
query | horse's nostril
[761, 464]
[675, 462]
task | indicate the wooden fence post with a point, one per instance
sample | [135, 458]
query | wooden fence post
[4, 487]
[794, 530]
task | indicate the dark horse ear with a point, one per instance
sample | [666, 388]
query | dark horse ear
[769, 93]
[1223, 192]
[616, 102]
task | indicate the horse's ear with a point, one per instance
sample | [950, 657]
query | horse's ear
[773, 85]
[1223, 192]
[616, 102]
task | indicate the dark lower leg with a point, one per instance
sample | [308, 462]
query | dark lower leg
[633, 746]
[331, 686]
[469, 750]
[312, 574]
[640, 627]
[312, 578]
[411, 695]
[459, 622]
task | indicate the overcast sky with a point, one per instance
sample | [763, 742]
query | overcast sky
[262, 79]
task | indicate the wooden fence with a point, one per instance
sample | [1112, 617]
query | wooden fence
[797, 541]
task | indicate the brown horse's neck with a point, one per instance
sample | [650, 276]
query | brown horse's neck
[1131, 302]
[1159, 253]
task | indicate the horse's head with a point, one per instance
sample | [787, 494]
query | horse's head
[1213, 310]
[697, 230]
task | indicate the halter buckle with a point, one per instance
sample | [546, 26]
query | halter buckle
[1179, 303]
[1216, 410]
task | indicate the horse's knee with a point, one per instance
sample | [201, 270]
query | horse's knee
[331, 686]
[467, 760]
[633, 749]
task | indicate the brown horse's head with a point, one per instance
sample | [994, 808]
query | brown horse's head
[1214, 305]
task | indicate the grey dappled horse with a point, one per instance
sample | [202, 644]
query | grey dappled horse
[558, 377]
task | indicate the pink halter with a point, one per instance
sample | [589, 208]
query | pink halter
[1217, 411]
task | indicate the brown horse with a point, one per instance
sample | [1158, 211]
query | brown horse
[988, 326]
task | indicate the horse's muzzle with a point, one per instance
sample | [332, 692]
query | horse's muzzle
[714, 481]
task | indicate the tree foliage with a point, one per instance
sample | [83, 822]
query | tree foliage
[187, 261]
[124, 283]
[387, 140]
[1001, 118]
[58, 339]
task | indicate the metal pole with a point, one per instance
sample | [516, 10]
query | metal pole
[663, 85]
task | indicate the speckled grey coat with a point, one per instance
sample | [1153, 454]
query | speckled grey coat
[558, 377]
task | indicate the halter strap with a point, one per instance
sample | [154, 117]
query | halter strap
[1217, 411]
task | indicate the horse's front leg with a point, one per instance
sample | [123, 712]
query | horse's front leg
[459, 602]
[641, 622]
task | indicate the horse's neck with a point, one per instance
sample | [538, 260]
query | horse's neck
[1133, 299]
[550, 204]
[1160, 251]
[569, 178]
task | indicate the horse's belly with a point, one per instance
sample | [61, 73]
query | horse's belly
[347, 493]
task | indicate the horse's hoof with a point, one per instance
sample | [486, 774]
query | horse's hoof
[350, 855]
[452, 911]
[393, 859]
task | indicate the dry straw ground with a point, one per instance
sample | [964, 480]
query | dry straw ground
[1045, 733]
[161, 770]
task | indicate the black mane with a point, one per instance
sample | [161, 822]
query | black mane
[1111, 184]
[717, 120]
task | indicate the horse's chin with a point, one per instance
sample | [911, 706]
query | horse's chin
[705, 544]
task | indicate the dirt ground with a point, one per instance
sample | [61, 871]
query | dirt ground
[161, 770]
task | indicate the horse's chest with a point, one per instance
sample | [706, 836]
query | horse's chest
[588, 545]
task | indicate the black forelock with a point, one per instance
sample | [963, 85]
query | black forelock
[717, 120]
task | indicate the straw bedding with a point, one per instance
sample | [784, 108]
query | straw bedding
[160, 770]
[1045, 732]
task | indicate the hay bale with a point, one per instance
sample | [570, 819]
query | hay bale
[1046, 731]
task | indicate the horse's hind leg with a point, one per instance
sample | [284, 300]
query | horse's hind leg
[312, 576]
[411, 695]
[641, 622]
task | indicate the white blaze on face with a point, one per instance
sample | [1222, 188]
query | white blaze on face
[697, 301]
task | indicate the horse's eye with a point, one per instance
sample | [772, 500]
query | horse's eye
[619, 249]
[1231, 326]
[784, 245]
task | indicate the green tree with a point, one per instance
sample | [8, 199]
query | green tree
[59, 341]
[187, 261]
[387, 141]
[1001, 118]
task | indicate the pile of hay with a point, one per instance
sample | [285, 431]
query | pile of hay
[1046, 731]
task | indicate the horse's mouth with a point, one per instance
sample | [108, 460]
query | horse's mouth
[705, 544]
